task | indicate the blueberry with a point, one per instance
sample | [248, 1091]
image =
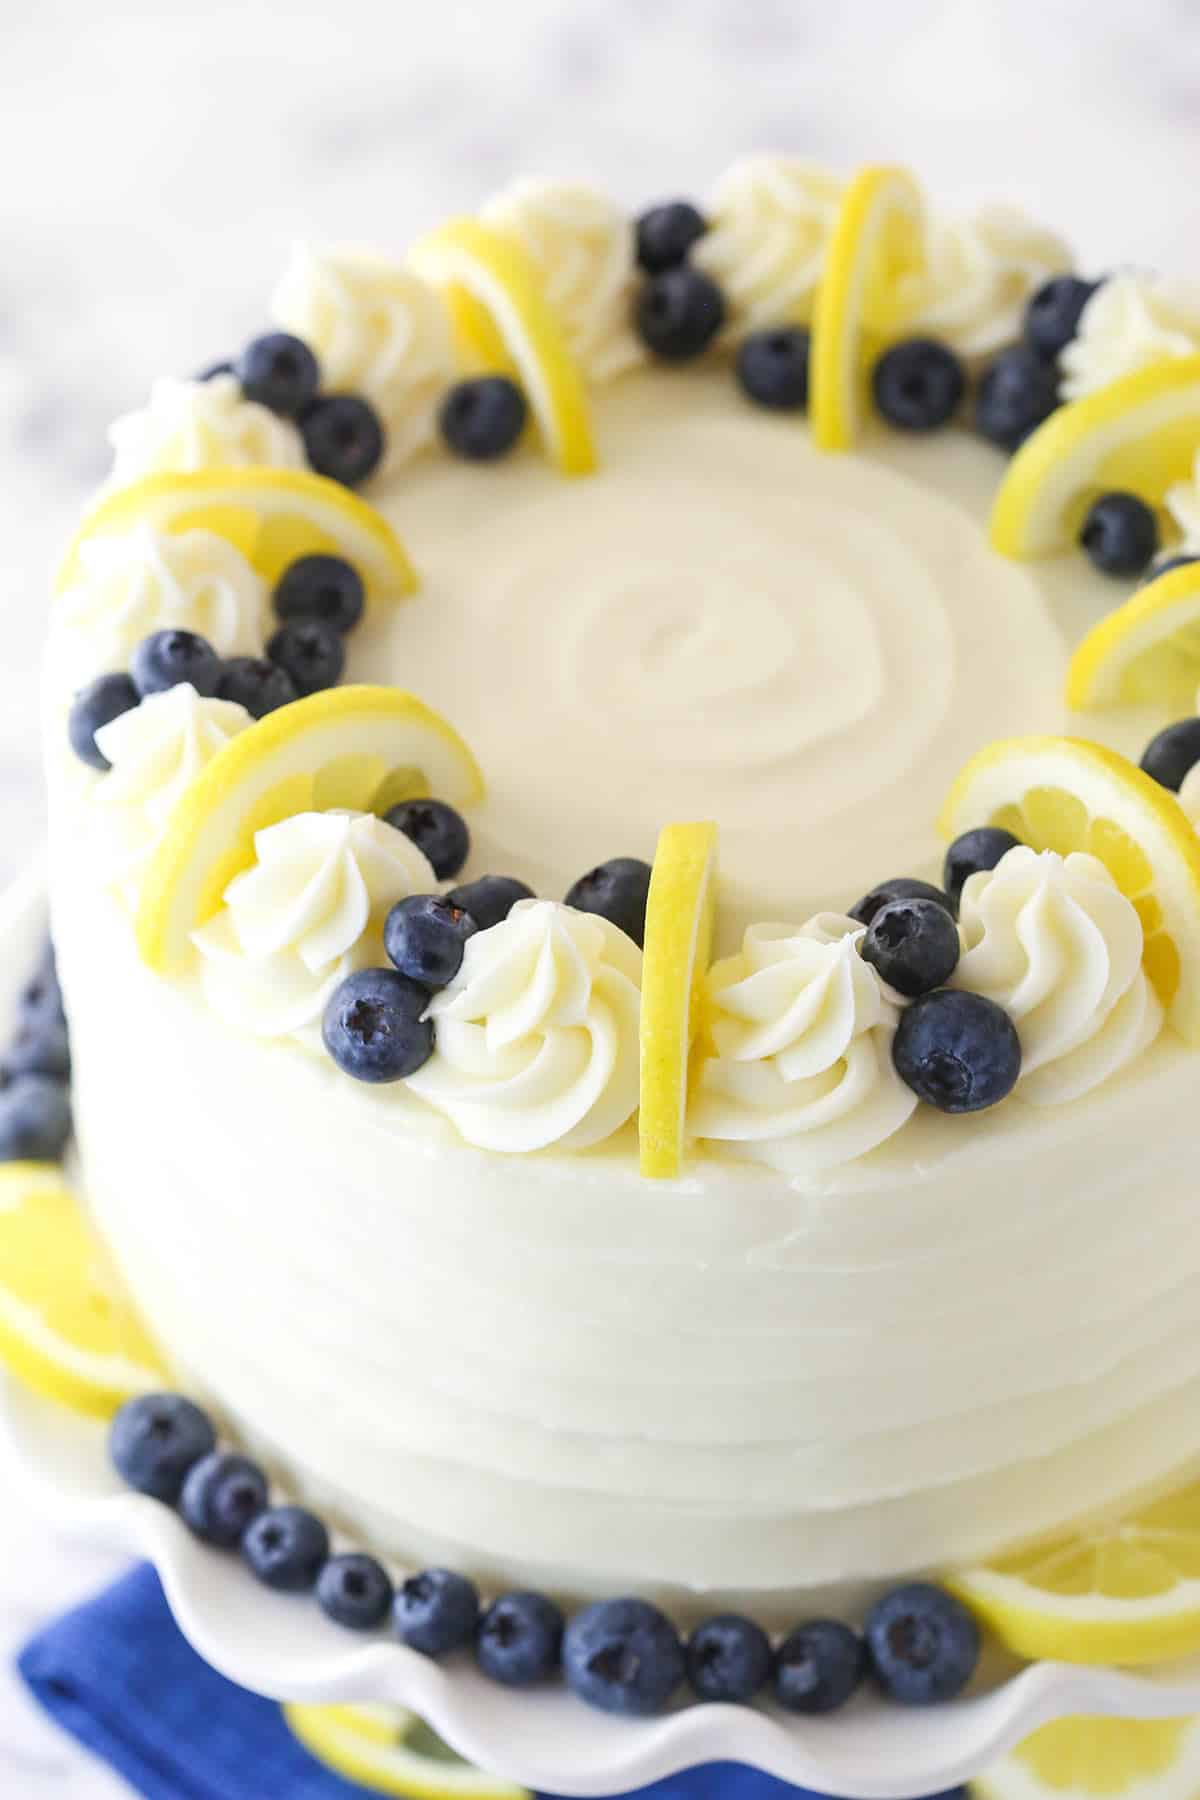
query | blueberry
[1120, 534]
[222, 1494]
[482, 419]
[258, 685]
[437, 830]
[343, 438]
[772, 368]
[972, 854]
[35, 1119]
[678, 314]
[665, 234]
[436, 1612]
[1173, 754]
[310, 654]
[957, 1051]
[918, 385]
[286, 1547]
[1162, 565]
[425, 937]
[618, 891]
[355, 1590]
[728, 1658]
[923, 1644]
[212, 370]
[155, 1439]
[41, 996]
[279, 371]
[623, 1656]
[326, 588]
[518, 1641]
[899, 887]
[490, 899]
[93, 707]
[1052, 315]
[913, 944]
[373, 1027]
[167, 658]
[819, 1666]
[39, 1046]
[1016, 393]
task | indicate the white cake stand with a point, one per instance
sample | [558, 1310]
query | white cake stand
[284, 1648]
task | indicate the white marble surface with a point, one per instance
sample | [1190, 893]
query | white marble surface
[159, 157]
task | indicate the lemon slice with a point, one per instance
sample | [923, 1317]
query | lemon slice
[1140, 433]
[1063, 794]
[361, 748]
[875, 250]
[675, 959]
[1147, 650]
[65, 1329]
[497, 299]
[272, 516]
[393, 1752]
[1100, 1759]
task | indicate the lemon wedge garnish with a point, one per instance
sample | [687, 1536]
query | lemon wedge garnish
[497, 298]
[359, 748]
[1064, 794]
[389, 1751]
[1147, 650]
[66, 1331]
[675, 959]
[272, 516]
[1100, 1759]
[1140, 433]
[875, 250]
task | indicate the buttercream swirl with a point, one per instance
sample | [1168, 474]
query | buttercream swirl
[802, 1077]
[156, 751]
[979, 274]
[1054, 942]
[770, 222]
[377, 329]
[136, 582]
[1132, 320]
[583, 245]
[306, 914]
[537, 1036]
[201, 425]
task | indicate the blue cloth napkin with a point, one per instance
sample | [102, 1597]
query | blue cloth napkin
[120, 1677]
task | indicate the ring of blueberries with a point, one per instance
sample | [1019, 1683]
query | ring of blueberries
[919, 1645]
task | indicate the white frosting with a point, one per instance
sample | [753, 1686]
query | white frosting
[980, 272]
[303, 917]
[1183, 504]
[1057, 945]
[157, 749]
[1131, 320]
[537, 1036]
[770, 222]
[1189, 793]
[144, 580]
[583, 245]
[377, 329]
[201, 425]
[803, 1077]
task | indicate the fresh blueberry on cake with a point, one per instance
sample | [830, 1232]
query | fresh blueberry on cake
[666, 233]
[519, 1639]
[913, 944]
[286, 1547]
[819, 1666]
[156, 1440]
[482, 419]
[1120, 534]
[167, 659]
[344, 438]
[35, 1118]
[436, 1612]
[375, 1026]
[309, 652]
[623, 1656]
[95, 706]
[256, 683]
[1053, 314]
[679, 313]
[974, 853]
[1017, 392]
[279, 372]
[490, 899]
[326, 588]
[617, 890]
[957, 1051]
[772, 367]
[355, 1590]
[1173, 753]
[425, 937]
[923, 1644]
[918, 385]
[438, 831]
[898, 887]
[222, 1494]
[729, 1659]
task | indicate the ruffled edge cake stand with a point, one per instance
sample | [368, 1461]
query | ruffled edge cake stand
[284, 1648]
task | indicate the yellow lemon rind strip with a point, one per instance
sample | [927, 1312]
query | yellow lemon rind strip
[676, 955]
[371, 1750]
[1099, 669]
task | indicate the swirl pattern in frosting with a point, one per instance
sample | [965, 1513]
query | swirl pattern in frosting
[771, 218]
[1054, 942]
[536, 1038]
[802, 1077]
[583, 245]
[144, 580]
[980, 272]
[201, 425]
[307, 914]
[1131, 321]
[377, 328]
[156, 751]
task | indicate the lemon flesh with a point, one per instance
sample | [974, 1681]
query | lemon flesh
[389, 1751]
[1147, 651]
[1100, 1759]
[675, 959]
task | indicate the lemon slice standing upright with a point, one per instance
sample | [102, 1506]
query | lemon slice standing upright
[1100, 1759]
[676, 954]
[390, 1751]
[1147, 650]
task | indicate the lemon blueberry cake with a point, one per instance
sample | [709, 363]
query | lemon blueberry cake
[632, 1154]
